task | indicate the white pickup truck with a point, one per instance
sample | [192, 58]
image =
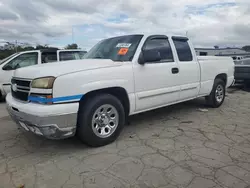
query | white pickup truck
[119, 76]
[29, 58]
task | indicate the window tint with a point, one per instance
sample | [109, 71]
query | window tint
[69, 55]
[49, 57]
[23, 60]
[163, 46]
[183, 49]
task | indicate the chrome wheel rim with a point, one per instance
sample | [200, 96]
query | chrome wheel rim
[219, 93]
[105, 121]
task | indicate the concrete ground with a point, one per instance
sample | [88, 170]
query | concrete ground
[174, 147]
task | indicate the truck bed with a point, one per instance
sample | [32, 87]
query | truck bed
[213, 65]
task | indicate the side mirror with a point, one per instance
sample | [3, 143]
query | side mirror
[149, 56]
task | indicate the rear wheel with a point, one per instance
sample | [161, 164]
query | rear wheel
[100, 120]
[217, 95]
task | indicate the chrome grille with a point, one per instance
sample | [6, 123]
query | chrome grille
[20, 88]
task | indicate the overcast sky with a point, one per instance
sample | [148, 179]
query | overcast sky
[207, 22]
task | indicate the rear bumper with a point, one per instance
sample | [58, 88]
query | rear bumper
[46, 120]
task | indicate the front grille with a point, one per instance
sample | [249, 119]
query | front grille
[20, 88]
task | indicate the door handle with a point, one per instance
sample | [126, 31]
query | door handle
[175, 70]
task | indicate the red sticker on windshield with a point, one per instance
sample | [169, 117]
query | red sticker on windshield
[123, 51]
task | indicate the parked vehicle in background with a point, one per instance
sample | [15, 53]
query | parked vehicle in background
[237, 58]
[66, 55]
[119, 76]
[242, 70]
[28, 58]
[7, 58]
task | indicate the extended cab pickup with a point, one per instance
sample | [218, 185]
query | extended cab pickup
[119, 76]
[29, 58]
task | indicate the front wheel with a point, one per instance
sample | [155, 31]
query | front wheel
[217, 95]
[100, 120]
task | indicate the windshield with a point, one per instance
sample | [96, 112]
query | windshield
[7, 58]
[117, 49]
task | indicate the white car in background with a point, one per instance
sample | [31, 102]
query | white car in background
[34, 57]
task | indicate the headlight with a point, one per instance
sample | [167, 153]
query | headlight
[43, 83]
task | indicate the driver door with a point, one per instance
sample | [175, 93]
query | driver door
[23, 60]
[156, 83]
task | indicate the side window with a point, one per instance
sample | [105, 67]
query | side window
[23, 60]
[183, 49]
[163, 46]
[70, 55]
[49, 57]
[82, 54]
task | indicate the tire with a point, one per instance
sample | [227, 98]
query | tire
[214, 100]
[1, 97]
[93, 128]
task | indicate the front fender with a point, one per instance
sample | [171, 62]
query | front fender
[87, 81]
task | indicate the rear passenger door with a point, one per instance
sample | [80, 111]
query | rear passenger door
[189, 70]
[156, 83]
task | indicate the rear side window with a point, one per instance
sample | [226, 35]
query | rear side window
[183, 49]
[163, 46]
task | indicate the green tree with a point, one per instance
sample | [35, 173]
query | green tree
[72, 46]
[246, 48]
[40, 47]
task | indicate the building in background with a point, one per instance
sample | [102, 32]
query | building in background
[221, 51]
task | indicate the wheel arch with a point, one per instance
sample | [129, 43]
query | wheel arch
[222, 76]
[119, 92]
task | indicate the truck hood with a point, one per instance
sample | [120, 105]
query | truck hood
[64, 67]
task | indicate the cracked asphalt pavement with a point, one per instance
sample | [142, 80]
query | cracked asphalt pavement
[174, 147]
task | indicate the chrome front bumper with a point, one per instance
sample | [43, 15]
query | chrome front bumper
[51, 127]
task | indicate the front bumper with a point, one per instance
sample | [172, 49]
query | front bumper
[51, 121]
